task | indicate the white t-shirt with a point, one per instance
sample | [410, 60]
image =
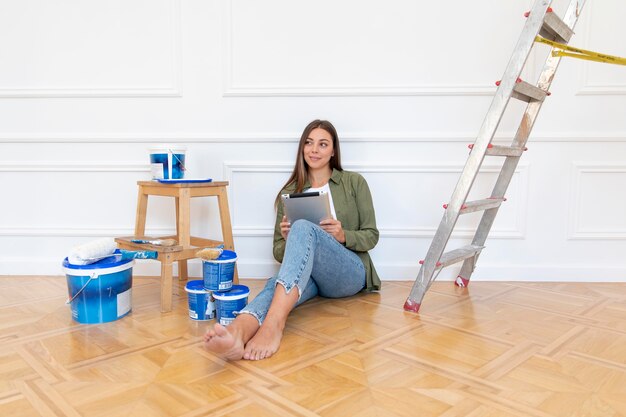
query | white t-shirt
[330, 198]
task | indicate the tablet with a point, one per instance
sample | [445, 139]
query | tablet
[312, 206]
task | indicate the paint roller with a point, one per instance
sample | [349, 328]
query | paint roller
[96, 250]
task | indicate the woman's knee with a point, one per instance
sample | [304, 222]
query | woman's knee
[301, 225]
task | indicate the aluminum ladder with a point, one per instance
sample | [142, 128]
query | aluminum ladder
[541, 20]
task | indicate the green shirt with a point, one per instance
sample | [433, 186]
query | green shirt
[354, 208]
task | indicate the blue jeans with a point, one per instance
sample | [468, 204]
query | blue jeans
[314, 263]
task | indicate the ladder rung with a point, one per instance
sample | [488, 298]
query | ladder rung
[527, 92]
[495, 150]
[458, 255]
[555, 29]
[484, 204]
[504, 151]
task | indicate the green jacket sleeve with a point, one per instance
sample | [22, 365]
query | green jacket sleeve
[279, 242]
[365, 236]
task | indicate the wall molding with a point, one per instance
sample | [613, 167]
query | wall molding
[233, 89]
[586, 87]
[253, 167]
[173, 90]
[71, 232]
[394, 233]
[575, 230]
[518, 232]
[73, 166]
[29, 265]
[294, 137]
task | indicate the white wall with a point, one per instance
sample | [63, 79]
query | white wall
[87, 86]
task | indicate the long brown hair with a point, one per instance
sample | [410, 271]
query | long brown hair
[300, 173]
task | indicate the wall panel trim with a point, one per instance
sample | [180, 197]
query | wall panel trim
[575, 229]
[173, 90]
[518, 232]
[73, 166]
[586, 87]
[29, 265]
[232, 89]
[503, 138]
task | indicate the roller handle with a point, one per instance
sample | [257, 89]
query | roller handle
[140, 254]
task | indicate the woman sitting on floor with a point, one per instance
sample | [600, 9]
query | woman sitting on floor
[329, 259]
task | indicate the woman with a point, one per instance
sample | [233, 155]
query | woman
[329, 259]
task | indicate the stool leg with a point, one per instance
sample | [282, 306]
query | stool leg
[183, 218]
[182, 270]
[142, 208]
[183, 226]
[227, 229]
[166, 283]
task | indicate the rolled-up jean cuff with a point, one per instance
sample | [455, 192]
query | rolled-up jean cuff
[288, 288]
[253, 314]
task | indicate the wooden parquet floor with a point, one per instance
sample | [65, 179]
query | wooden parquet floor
[493, 349]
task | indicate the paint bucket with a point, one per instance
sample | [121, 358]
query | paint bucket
[230, 302]
[218, 273]
[201, 303]
[99, 292]
[167, 162]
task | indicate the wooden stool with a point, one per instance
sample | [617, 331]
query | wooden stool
[187, 245]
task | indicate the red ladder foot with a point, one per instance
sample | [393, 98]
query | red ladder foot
[412, 306]
[461, 282]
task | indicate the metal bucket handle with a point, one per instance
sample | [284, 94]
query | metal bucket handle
[93, 276]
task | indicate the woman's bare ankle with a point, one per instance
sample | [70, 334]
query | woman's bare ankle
[266, 341]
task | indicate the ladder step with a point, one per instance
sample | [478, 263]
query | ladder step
[477, 205]
[484, 204]
[555, 29]
[504, 151]
[527, 92]
[458, 255]
[496, 150]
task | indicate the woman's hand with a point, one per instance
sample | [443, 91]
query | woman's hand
[284, 227]
[333, 227]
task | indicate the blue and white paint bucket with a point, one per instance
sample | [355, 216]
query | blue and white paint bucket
[201, 303]
[230, 302]
[167, 162]
[218, 273]
[100, 292]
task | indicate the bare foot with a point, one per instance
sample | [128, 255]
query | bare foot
[265, 342]
[220, 340]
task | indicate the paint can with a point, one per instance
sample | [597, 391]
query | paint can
[230, 302]
[99, 292]
[218, 273]
[167, 162]
[201, 302]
